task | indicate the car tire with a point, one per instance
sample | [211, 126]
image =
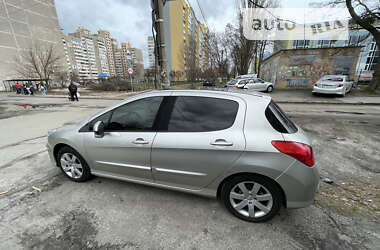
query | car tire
[270, 89]
[252, 211]
[73, 165]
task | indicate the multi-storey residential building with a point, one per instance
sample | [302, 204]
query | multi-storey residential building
[87, 54]
[109, 49]
[151, 56]
[118, 55]
[202, 46]
[368, 57]
[23, 23]
[179, 18]
[101, 55]
[137, 63]
[81, 47]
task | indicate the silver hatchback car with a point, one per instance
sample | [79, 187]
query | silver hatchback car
[238, 147]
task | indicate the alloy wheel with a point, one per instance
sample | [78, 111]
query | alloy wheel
[71, 165]
[251, 199]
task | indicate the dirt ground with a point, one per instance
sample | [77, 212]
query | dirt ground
[41, 209]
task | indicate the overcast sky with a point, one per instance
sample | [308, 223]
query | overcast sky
[130, 20]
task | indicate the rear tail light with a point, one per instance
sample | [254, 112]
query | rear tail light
[299, 151]
[340, 85]
[316, 84]
[236, 86]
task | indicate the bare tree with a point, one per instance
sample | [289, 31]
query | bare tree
[62, 77]
[217, 53]
[244, 52]
[74, 76]
[39, 61]
[367, 15]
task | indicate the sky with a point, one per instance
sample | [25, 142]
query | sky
[130, 20]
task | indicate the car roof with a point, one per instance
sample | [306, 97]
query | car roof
[334, 76]
[244, 94]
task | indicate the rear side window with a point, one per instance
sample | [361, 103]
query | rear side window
[279, 120]
[202, 114]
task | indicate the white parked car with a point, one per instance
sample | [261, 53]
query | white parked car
[333, 84]
[259, 85]
[238, 83]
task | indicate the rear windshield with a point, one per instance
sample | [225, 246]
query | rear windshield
[335, 79]
[279, 120]
[233, 82]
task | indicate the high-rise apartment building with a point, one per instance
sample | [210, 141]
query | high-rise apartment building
[137, 63]
[151, 56]
[90, 55]
[22, 24]
[108, 42]
[101, 55]
[179, 18]
[80, 48]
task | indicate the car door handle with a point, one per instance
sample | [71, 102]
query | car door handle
[221, 142]
[140, 141]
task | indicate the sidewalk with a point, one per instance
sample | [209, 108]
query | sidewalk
[279, 96]
[306, 97]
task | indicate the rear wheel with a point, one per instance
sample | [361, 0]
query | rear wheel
[73, 165]
[270, 89]
[252, 198]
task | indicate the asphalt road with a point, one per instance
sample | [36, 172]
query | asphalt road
[41, 209]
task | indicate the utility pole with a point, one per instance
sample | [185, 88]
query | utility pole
[160, 45]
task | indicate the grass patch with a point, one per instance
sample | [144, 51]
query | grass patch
[352, 197]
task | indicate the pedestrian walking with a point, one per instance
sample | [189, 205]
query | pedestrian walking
[43, 90]
[32, 90]
[73, 91]
[18, 89]
[28, 89]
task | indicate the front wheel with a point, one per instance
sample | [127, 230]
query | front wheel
[252, 198]
[73, 165]
[269, 89]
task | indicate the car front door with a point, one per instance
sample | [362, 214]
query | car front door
[124, 150]
[261, 86]
[202, 138]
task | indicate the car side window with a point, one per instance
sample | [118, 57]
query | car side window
[202, 114]
[135, 116]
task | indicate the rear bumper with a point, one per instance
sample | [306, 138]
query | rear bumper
[300, 183]
[334, 91]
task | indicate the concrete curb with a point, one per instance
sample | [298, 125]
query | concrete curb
[66, 97]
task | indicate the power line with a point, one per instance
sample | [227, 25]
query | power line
[200, 8]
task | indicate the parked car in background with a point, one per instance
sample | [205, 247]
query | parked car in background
[333, 84]
[259, 85]
[239, 147]
[238, 83]
[209, 83]
[247, 76]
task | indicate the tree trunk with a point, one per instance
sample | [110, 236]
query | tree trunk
[376, 35]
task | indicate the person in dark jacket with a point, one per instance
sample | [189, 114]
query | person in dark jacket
[73, 91]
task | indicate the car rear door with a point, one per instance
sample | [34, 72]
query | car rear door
[124, 151]
[201, 138]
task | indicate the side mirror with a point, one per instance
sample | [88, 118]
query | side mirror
[99, 129]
